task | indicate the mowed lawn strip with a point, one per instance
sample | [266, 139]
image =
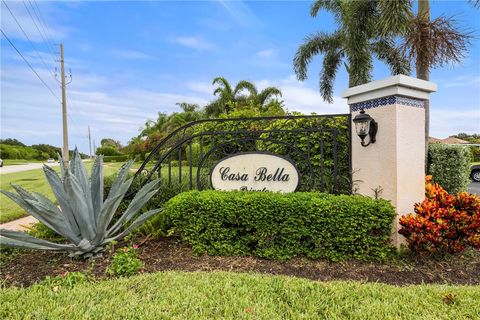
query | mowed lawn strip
[33, 181]
[223, 295]
[13, 162]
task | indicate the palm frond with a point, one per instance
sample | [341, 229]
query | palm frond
[312, 46]
[435, 43]
[333, 6]
[394, 16]
[386, 51]
[245, 85]
[331, 63]
[266, 94]
[223, 83]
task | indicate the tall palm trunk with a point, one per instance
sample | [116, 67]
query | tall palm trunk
[423, 71]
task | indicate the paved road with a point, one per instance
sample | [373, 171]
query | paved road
[24, 167]
[474, 187]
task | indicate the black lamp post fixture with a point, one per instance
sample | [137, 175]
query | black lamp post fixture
[365, 125]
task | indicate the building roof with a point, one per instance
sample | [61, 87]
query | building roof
[453, 140]
[434, 140]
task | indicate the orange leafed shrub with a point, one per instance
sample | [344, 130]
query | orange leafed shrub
[443, 223]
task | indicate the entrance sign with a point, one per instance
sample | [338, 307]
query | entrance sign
[255, 171]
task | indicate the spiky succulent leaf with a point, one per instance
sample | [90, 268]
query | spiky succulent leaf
[23, 240]
[80, 172]
[41, 211]
[122, 175]
[56, 184]
[82, 216]
[96, 186]
[140, 199]
[109, 209]
[79, 206]
[141, 219]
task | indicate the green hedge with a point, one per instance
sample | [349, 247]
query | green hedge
[476, 154]
[449, 166]
[115, 158]
[281, 226]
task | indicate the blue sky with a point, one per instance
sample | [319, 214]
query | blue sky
[130, 60]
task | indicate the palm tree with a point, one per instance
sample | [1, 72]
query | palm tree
[229, 97]
[364, 31]
[259, 99]
[177, 119]
[432, 44]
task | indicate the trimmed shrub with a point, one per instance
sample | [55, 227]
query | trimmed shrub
[476, 154]
[449, 166]
[281, 226]
[115, 158]
[444, 223]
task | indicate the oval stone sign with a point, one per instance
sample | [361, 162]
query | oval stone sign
[255, 171]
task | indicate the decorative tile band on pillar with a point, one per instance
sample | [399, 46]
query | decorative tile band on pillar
[392, 167]
[385, 101]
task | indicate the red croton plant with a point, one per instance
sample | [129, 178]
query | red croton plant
[443, 223]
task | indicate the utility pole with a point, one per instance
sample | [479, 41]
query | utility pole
[64, 106]
[90, 142]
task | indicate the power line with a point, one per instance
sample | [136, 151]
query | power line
[28, 38]
[28, 63]
[38, 29]
[43, 24]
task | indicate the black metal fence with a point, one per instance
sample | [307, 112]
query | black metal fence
[319, 145]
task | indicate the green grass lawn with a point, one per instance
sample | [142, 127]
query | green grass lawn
[12, 162]
[223, 295]
[32, 180]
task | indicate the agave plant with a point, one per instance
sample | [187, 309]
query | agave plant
[82, 216]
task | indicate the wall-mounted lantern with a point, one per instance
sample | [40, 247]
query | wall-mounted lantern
[365, 125]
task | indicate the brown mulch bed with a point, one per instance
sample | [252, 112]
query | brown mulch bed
[28, 267]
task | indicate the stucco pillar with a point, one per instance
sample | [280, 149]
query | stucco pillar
[395, 164]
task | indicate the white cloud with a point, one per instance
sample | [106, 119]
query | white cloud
[194, 42]
[36, 117]
[462, 81]
[267, 53]
[131, 55]
[447, 121]
[201, 87]
[299, 97]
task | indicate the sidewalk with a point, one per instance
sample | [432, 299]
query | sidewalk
[19, 224]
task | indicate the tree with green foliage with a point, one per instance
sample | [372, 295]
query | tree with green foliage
[431, 44]
[12, 142]
[230, 98]
[191, 112]
[366, 29]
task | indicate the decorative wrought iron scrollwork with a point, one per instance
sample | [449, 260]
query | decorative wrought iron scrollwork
[318, 144]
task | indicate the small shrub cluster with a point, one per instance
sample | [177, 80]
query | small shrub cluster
[281, 226]
[444, 223]
[41, 231]
[450, 166]
[125, 263]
